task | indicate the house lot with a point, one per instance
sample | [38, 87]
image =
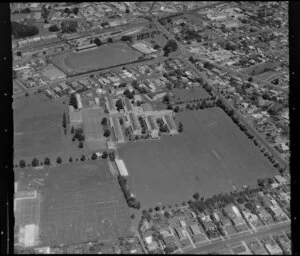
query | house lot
[211, 156]
[81, 202]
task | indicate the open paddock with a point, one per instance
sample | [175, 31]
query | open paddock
[82, 202]
[191, 94]
[211, 156]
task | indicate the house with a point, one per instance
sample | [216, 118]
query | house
[281, 180]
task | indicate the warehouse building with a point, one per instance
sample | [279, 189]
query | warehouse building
[136, 128]
[171, 124]
[153, 127]
[117, 129]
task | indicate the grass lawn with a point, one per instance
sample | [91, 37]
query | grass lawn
[101, 57]
[209, 157]
[80, 202]
[38, 127]
[191, 94]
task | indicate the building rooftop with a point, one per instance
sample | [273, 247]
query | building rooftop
[170, 122]
[134, 121]
[117, 129]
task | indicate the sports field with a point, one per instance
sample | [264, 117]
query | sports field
[38, 127]
[93, 130]
[101, 57]
[82, 202]
[211, 156]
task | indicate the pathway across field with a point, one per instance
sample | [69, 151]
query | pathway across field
[211, 156]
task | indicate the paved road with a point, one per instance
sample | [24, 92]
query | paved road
[224, 243]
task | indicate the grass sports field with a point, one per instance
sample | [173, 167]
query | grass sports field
[38, 127]
[93, 130]
[81, 202]
[101, 57]
[209, 157]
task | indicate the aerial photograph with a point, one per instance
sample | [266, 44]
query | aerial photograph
[151, 127]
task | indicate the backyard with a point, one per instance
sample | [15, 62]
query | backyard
[211, 156]
[101, 57]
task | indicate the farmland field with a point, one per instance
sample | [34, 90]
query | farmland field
[211, 156]
[101, 57]
[38, 130]
[80, 202]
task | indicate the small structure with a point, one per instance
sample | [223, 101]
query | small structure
[79, 102]
[121, 167]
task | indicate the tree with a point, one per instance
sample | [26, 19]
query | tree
[53, 28]
[176, 109]
[75, 10]
[167, 215]
[109, 40]
[94, 156]
[72, 130]
[22, 163]
[21, 30]
[106, 133]
[128, 94]
[59, 160]
[196, 196]
[104, 155]
[35, 162]
[171, 46]
[156, 47]
[127, 10]
[70, 159]
[64, 120]
[19, 53]
[250, 79]
[104, 121]
[47, 161]
[82, 158]
[112, 156]
[80, 144]
[119, 104]
[132, 216]
[97, 41]
[69, 26]
[73, 101]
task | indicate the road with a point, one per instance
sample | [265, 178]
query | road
[224, 243]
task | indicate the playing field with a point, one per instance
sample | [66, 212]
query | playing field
[93, 130]
[101, 57]
[211, 156]
[38, 127]
[82, 202]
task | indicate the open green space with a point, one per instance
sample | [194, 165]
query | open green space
[38, 127]
[191, 94]
[102, 57]
[80, 202]
[211, 156]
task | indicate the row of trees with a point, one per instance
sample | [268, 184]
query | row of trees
[131, 200]
[22, 30]
[35, 162]
[78, 134]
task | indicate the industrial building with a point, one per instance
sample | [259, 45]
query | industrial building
[171, 124]
[117, 129]
[153, 126]
[136, 128]
[110, 105]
